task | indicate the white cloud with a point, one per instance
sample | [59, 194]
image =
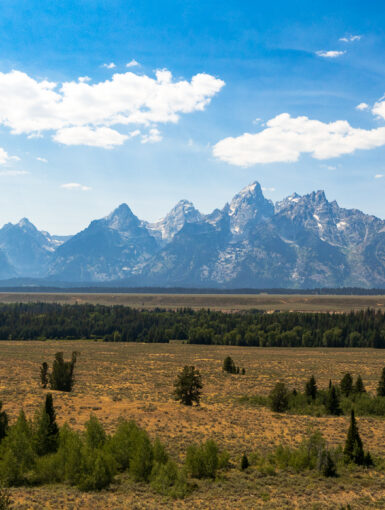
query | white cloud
[84, 79]
[6, 158]
[379, 108]
[12, 173]
[111, 65]
[75, 186]
[152, 136]
[132, 63]
[379, 176]
[330, 53]
[350, 38]
[94, 137]
[285, 138]
[82, 113]
[42, 160]
[362, 106]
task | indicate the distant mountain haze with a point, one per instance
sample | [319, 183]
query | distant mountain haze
[300, 242]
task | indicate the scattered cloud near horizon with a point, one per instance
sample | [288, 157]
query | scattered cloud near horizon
[330, 53]
[80, 113]
[362, 106]
[12, 173]
[75, 186]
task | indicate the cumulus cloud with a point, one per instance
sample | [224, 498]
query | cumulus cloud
[111, 65]
[362, 106]
[75, 186]
[82, 113]
[350, 38]
[12, 173]
[330, 53]
[84, 79]
[285, 138]
[152, 136]
[42, 160]
[132, 63]
[6, 158]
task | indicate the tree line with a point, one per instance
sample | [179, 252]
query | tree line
[39, 321]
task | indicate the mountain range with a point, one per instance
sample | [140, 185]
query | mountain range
[300, 242]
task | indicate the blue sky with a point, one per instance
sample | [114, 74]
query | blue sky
[71, 153]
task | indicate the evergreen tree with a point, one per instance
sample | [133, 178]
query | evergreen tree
[333, 402]
[326, 464]
[62, 375]
[188, 386]
[3, 422]
[359, 386]
[346, 385]
[279, 398]
[381, 385]
[229, 365]
[311, 388]
[44, 374]
[244, 462]
[243, 371]
[353, 451]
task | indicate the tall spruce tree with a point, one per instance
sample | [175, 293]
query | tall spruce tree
[354, 451]
[229, 365]
[311, 388]
[62, 375]
[46, 431]
[346, 385]
[3, 422]
[381, 385]
[44, 376]
[359, 386]
[333, 402]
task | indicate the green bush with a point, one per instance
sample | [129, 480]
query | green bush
[122, 444]
[168, 480]
[279, 398]
[141, 462]
[202, 460]
[98, 470]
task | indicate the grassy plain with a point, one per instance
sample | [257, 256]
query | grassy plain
[225, 302]
[136, 381]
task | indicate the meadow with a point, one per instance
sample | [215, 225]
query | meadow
[135, 381]
[224, 302]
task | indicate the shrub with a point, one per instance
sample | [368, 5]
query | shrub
[142, 458]
[244, 462]
[5, 499]
[229, 365]
[168, 480]
[98, 470]
[123, 443]
[188, 386]
[202, 460]
[95, 436]
[326, 465]
[279, 398]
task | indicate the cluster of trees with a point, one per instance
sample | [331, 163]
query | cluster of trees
[230, 367]
[249, 328]
[38, 451]
[337, 399]
[61, 377]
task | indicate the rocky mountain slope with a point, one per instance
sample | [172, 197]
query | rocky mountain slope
[300, 242]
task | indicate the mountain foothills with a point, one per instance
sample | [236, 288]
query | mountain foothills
[300, 242]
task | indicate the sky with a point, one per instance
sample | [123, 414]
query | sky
[147, 103]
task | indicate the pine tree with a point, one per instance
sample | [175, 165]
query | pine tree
[346, 385]
[3, 422]
[229, 365]
[44, 374]
[333, 402]
[279, 398]
[188, 386]
[244, 462]
[243, 371]
[353, 451]
[326, 464]
[381, 385]
[311, 388]
[53, 429]
[62, 375]
[359, 386]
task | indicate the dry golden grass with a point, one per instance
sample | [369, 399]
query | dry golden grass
[225, 302]
[136, 381]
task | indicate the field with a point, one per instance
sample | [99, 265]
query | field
[225, 302]
[136, 380]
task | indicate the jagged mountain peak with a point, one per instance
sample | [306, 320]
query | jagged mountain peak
[183, 212]
[249, 206]
[122, 218]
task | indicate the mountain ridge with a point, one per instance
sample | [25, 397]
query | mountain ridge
[302, 241]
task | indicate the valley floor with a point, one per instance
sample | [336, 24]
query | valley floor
[136, 381]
